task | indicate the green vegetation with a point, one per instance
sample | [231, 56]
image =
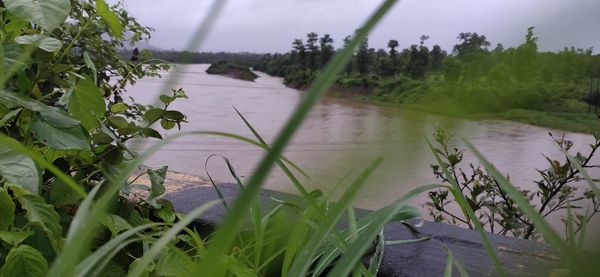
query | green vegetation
[557, 191]
[67, 207]
[518, 83]
[232, 70]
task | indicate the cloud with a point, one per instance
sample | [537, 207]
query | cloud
[270, 26]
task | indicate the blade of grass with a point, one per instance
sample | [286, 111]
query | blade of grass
[462, 202]
[304, 259]
[283, 167]
[338, 240]
[549, 234]
[377, 257]
[583, 172]
[230, 225]
[255, 209]
[161, 243]
[344, 266]
[405, 241]
[103, 253]
[212, 182]
[451, 261]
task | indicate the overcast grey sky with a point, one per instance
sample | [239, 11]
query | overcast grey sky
[271, 25]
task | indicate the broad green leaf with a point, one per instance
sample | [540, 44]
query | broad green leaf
[12, 53]
[15, 238]
[52, 115]
[110, 18]
[166, 99]
[115, 224]
[166, 124]
[149, 132]
[24, 260]
[166, 211]
[49, 14]
[87, 103]
[174, 262]
[59, 138]
[157, 179]
[153, 115]
[43, 42]
[43, 215]
[118, 122]
[7, 210]
[18, 169]
[119, 108]
[174, 115]
[61, 194]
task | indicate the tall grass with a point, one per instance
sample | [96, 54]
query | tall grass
[315, 244]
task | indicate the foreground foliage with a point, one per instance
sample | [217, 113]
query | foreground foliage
[67, 205]
[558, 191]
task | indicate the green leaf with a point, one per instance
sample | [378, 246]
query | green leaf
[87, 103]
[15, 238]
[166, 124]
[43, 42]
[175, 262]
[174, 115]
[59, 138]
[88, 62]
[7, 210]
[52, 115]
[166, 211]
[166, 99]
[115, 224]
[157, 179]
[24, 260]
[61, 194]
[149, 132]
[118, 122]
[119, 108]
[153, 115]
[18, 169]
[49, 14]
[43, 215]
[110, 18]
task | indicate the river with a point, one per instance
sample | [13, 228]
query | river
[338, 137]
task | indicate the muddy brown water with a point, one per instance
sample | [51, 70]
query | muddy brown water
[339, 137]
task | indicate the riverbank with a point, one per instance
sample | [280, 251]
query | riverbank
[587, 123]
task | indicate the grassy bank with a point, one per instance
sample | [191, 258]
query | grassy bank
[579, 122]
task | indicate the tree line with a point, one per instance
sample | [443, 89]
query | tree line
[473, 75]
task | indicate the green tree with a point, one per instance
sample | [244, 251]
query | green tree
[392, 44]
[299, 53]
[350, 66]
[363, 58]
[313, 50]
[437, 57]
[470, 43]
[326, 49]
